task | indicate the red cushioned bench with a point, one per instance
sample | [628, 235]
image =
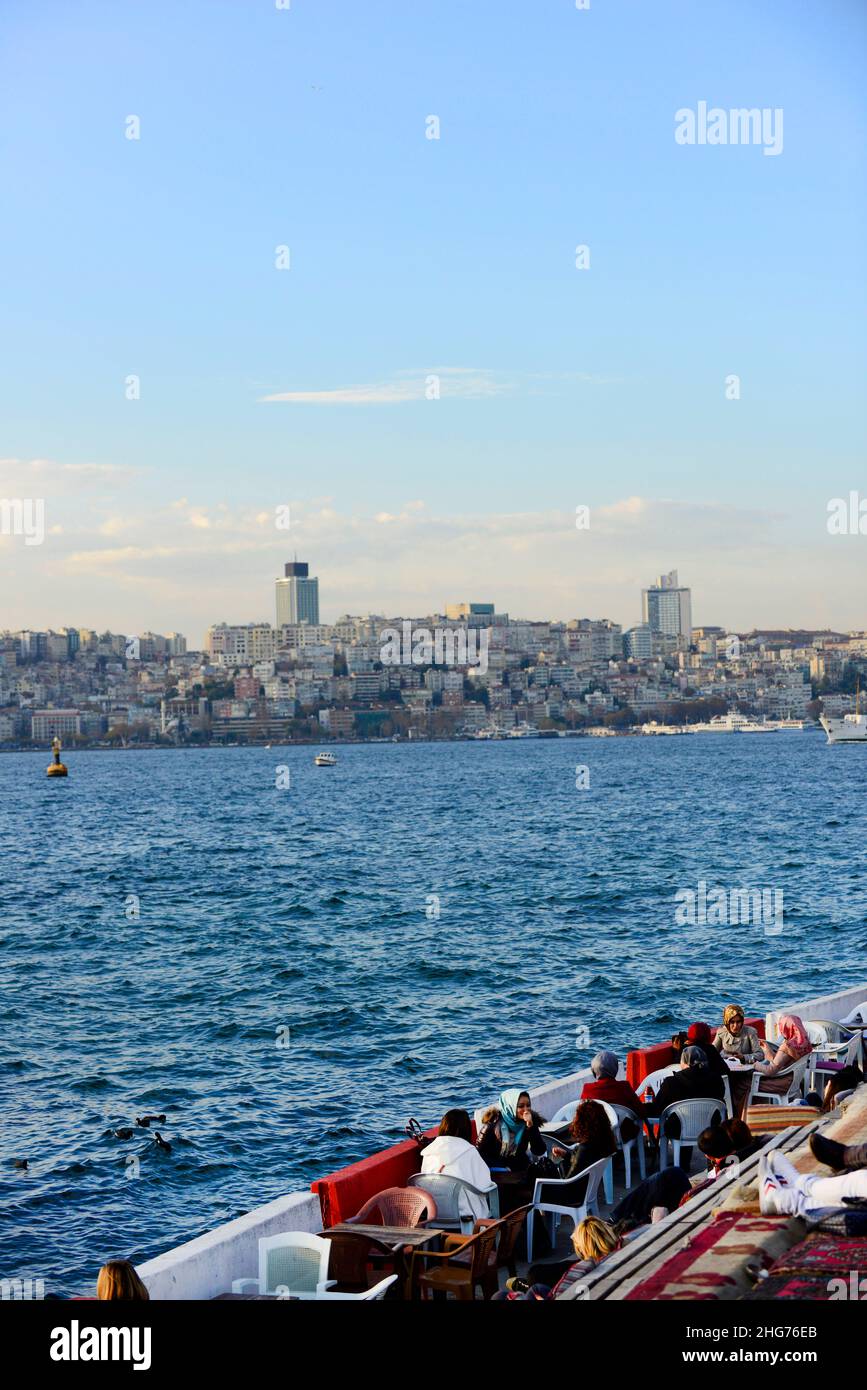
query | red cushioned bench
[649, 1059]
[345, 1192]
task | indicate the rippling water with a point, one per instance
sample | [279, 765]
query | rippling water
[304, 909]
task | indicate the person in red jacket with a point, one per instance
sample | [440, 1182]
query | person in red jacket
[605, 1086]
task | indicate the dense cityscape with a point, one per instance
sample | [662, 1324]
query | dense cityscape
[468, 672]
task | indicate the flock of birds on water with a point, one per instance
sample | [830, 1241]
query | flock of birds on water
[126, 1132]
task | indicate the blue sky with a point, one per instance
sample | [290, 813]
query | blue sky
[306, 127]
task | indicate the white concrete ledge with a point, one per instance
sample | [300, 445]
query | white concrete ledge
[206, 1266]
[825, 1006]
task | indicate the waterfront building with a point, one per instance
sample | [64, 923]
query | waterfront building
[48, 723]
[297, 595]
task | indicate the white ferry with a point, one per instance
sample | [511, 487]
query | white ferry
[732, 723]
[325, 760]
[851, 728]
[224, 1262]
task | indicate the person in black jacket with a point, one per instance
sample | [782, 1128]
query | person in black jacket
[700, 1035]
[694, 1081]
[510, 1142]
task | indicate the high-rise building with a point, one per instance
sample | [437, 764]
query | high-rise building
[667, 608]
[638, 643]
[297, 595]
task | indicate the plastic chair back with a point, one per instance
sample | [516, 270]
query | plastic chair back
[694, 1115]
[397, 1206]
[566, 1114]
[295, 1261]
[446, 1193]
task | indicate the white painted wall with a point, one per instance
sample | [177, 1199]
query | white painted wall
[206, 1266]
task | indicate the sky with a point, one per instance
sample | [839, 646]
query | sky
[284, 294]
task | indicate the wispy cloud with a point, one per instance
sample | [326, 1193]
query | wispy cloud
[455, 383]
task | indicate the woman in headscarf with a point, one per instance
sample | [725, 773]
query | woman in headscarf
[735, 1039]
[793, 1045]
[742, 1044]
[509, 1142]
[510, 1132]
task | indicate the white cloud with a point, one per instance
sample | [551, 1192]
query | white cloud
[459, 383]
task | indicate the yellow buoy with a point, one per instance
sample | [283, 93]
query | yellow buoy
[57, 768]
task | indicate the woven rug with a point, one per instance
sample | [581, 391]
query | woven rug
[830, 1254]
[813, 1287]
[770, 1119]
[714, 1262]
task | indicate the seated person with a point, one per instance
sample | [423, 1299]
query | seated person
[591, 1132]
[652, 1198]
[454, 1155]
[794, 1044]
[671, 1187]
[510, 1133]
[846, 1079]
[605, 1086]
[720, 1144]
[118, 1280]
[678, 1043]
[735, 1039]
[592, 1240]
[694, 1081]
[699, 1035]
[784, 1191]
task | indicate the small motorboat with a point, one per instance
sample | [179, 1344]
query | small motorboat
[325, 760]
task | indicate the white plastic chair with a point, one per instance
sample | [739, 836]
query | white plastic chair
[727, 1090]
[828, 1045]
[694, 1115]
[566, 1114]
[446, 1192]
[564, 1189]
[366, 1296]
[626, 1146]
[654, 1079]
[796, 1073]
[294, 1263]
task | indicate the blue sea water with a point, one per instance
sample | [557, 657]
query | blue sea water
[284, 996]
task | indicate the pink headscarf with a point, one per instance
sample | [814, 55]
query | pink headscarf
[795, 1034]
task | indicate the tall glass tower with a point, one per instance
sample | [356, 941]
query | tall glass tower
[297, 595]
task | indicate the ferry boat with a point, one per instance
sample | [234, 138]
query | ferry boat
[325, 760]
[734, 1245]
[851, 728]
[732, 723]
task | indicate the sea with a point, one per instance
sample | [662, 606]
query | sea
[289, 961]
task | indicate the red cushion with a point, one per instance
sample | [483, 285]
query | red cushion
[344, 1193]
